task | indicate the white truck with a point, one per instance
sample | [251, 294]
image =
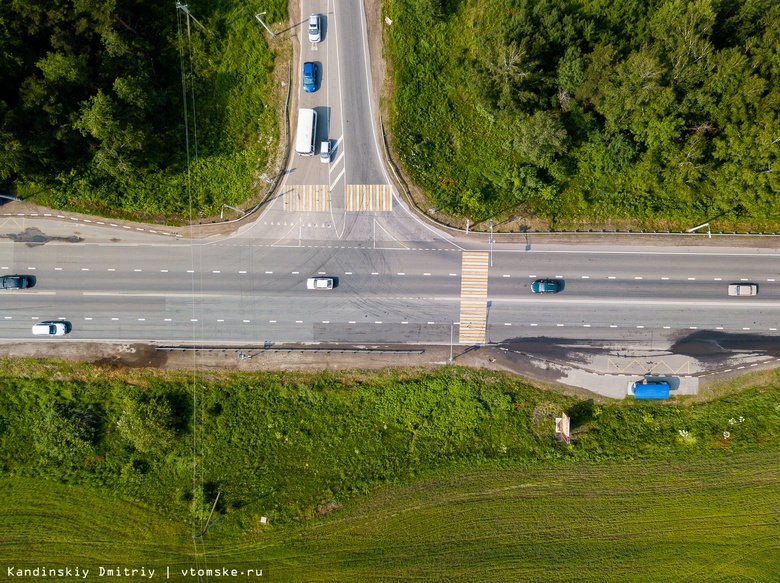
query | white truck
[306, 138]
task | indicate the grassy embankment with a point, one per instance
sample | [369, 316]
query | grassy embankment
[368, 476]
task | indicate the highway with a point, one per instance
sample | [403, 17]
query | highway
[254, 292]
[398, 278]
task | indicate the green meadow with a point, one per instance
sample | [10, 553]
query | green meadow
[677, 520]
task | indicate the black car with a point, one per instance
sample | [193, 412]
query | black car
[15, 281]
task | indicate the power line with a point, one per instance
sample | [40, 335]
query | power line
[182, 8]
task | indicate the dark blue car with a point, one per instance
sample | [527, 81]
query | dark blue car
[309, 77]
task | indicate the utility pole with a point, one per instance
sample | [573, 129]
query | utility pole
[183, 8]
[260, 20]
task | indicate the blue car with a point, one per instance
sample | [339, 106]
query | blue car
[309, 77]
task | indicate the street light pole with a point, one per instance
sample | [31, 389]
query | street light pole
[452, 330]
[491, 243]
[693, 229]
[260, 20]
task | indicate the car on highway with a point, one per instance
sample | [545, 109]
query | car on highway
[310, 77]
[743, 289]
[325, 152]
[15, 282]
[319, 283]
[50, 329]
[315, 28]
[546, 286]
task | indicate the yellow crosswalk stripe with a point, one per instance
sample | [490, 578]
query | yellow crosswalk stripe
[368, 197]
[307, 197]
[473, 297]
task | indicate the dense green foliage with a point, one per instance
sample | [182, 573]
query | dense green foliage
[585, 111]
[289, 445]
[92, 107]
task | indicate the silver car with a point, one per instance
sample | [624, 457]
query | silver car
[315, 28]
[325, 152]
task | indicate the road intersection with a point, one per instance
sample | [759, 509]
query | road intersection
[398, 278]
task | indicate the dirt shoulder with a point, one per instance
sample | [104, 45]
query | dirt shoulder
[286, 357]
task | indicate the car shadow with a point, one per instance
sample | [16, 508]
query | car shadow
[323, 124]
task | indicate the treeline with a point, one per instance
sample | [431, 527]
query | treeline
[666, 112]
[92, 108]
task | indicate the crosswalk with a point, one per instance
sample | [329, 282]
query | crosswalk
[368, 197]
[473, 297]
[307, 198]
[358, 197]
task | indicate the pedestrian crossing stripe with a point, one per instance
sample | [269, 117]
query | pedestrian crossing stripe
[473, 297]
[307, 198]
[368, 197]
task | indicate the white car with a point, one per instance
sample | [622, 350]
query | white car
[50, 329]
[319, 283]
[325, 152]
[315, 28]
[743, 289]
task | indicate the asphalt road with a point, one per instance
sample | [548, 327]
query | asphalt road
[249, 291]
[398, 279]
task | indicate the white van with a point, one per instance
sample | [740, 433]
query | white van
[306, 138]
[743, 289]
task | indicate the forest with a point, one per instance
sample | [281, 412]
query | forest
[92, 104]
[662, 113]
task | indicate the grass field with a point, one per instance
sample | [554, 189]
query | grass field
[49, 524]
[684, 520]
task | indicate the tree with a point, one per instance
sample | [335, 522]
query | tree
[147, 424]
[540, 138]
[682, 30]
[598, 70]
[63, 434]
[505, 66]
[115, 141]
[571, 74]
